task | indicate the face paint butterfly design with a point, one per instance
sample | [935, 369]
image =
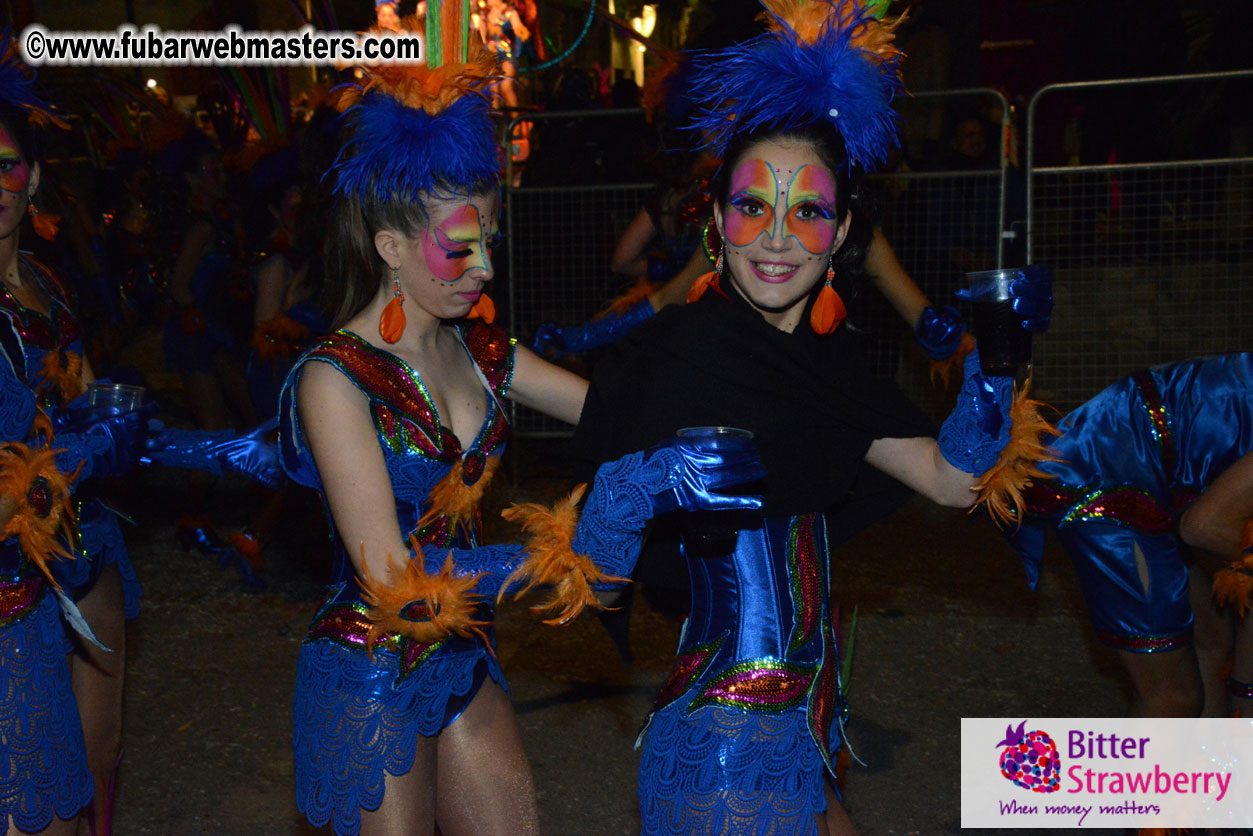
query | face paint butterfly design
[798, 204]
[461, 243]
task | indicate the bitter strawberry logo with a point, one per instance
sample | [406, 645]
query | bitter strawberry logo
[1030, 759]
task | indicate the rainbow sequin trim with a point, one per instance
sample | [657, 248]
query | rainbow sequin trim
[687, 667]
[805, 576]
[758, 685]
[1159, 420]
[348, 626]
[1146, 644]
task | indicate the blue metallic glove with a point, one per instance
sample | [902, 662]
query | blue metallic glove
[940, 331]
[686, 472]
[552, 340]
[105, 445]
[217, 452]
[1033, 297]
[1032, 294]
[977, 429]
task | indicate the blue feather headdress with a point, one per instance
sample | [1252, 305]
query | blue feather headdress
[824, 60]
[418, 129]
[17, 86]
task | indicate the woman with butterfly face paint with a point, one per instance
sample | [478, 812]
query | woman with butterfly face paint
[745, 734]
[398, 419]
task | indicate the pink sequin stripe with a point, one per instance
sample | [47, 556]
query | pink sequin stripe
[758, 685]
[17, 599]
[1159, 420]
[806, 580]
[687, 667]
[1146, 644]
[1126, 506]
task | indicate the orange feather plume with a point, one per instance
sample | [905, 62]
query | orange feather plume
[1234, 584]
[421, 87]
[552, 561]
[453, 499]
[44, 516]
[1002, 485]
[66, 379]
[808, 19]
[418, 605]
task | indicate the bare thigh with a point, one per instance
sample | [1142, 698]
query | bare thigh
[408, 805]
[485, 785]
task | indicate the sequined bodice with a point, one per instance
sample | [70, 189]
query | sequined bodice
[419, 451]
[759, 636]
[40, 334]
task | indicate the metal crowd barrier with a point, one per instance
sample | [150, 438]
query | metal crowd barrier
[561, 237]
[1152, 256]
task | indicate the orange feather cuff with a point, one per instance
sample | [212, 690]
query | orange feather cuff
[418, 605]
[1002, 485]
[551, 560]
[1234, 584]
[44, 517]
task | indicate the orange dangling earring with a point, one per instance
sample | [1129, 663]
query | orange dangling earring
[392, 320]
[828, 310]
[45, 224]
[707, 280]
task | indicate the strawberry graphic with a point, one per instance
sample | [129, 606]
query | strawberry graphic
[1030, 759]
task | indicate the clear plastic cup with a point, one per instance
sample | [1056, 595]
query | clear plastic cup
[1004, 344]
[114, 398]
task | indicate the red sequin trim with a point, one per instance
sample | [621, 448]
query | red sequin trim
[17, 599]
[806, 580]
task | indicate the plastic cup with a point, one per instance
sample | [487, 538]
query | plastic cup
[709, 534]
[114, 398]
[1004, 344]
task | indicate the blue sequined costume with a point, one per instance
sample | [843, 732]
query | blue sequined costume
[358, 716]
[745, 731]
[1134, 457]
[43, 761]
[749, 719]
[56, 342]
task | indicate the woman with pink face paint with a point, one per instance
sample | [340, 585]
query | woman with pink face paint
[398, 420]
[60, 725]
[745, 734]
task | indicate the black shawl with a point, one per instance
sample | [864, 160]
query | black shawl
[810, 401]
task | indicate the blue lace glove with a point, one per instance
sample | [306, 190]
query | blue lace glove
[685, 473]
[1032, 294]
[626, 494]
[552, 340]
[105, 445]
[977, 429]
[220, 451]
[940, 331]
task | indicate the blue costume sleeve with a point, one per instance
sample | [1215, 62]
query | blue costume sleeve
[974, 433]
[559, 340]
[627, 493]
